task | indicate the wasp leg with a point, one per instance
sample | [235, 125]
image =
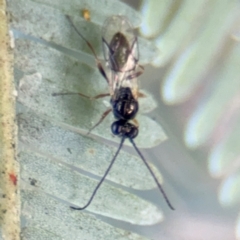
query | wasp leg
[104, 115]
[141, 95]
[134, 75]
[136, 123]
[98, 63]
[82, 95]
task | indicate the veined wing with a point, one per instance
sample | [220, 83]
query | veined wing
[120, 49]
[120, 46]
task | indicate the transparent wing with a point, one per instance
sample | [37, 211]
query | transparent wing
[120, 46]
[120, 49]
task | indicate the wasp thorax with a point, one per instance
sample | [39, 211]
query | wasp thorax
[124, 105]
[124, 129]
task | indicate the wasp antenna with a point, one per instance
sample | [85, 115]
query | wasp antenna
[153, 175]
[103, 178]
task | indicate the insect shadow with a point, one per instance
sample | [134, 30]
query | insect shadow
[120, 49]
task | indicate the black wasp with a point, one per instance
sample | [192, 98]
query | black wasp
[120, 48]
